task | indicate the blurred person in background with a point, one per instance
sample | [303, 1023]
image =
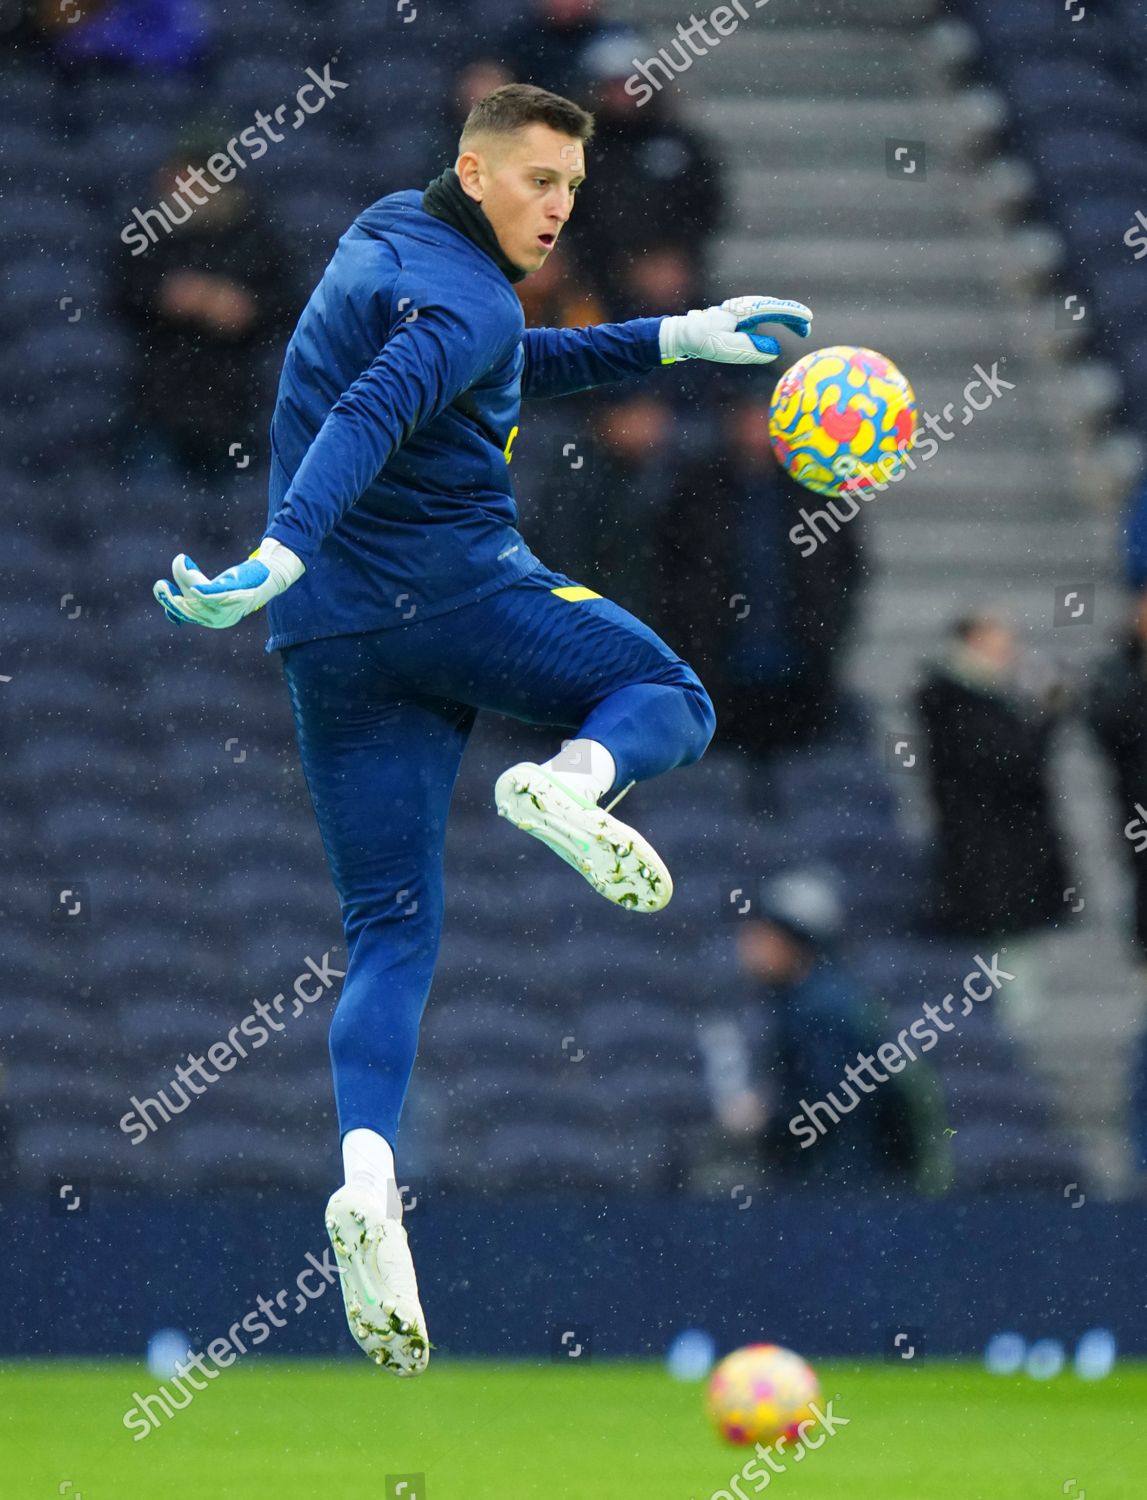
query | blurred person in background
[1116, 710]
[558, 296]
[654, 183]
[768, 625]
[545, 47]
[437, 135]
[668, 269]
[602, 501]
[206, 302]
[989, 715]
[808, 1020]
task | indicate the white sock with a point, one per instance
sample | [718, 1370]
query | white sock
[367, 1158]
[585, 766]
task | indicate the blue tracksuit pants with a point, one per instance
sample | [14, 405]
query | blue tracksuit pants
[382, 720]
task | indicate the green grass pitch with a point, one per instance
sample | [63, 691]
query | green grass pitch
[513, 1431]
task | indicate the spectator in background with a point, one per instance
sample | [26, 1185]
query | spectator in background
[663, 275]
[558, 296]
[545, 49]
[765, 627]
[808, 1020]
[1116, 709]
[653, 182]
[206, 302]
[599, 506]
[437, 136]
[999, 870]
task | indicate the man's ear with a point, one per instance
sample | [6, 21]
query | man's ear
[469, 169]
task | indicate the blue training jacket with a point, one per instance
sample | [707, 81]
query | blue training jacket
[396, 411]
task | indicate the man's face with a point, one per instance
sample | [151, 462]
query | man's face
[526, 184]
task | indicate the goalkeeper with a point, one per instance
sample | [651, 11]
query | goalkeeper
[403, 599]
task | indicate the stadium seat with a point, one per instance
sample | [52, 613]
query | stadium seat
[1027, 28]
[212, 1153]
[634, 1035]
[998, 1158]
[38, 222]
[547, 1158]
[274, 24]
[473, 1035]
[88, 1152]
[1070, 92]
[1120, 294]
[1091, 159]
[1095, 223]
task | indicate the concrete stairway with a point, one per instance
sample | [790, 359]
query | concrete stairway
[806, 105]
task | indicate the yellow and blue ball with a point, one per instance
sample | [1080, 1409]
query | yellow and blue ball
[840, 419]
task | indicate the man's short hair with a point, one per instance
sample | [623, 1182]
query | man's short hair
[516, 105]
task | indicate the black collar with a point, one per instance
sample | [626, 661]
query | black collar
[446, 199]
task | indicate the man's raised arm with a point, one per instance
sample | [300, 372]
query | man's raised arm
[560, 361]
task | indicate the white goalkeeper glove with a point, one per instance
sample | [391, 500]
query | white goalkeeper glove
[227, 599]
[726, 333]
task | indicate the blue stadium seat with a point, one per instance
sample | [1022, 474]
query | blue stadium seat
[274, 25]
[139, 98]
[209, 1153]
[45, 1089]
[635, 1035]
[478, 1034]
[1068, 91]
[1120, 294]
[1091, 159]
[472, 1100]
[999, 1158]
[120, 164]
[29, 94]
[101, 1155]
[1096, 221]
[546, 1158]
[973, 1095]
[40, 222]
[41, 292]
[1031, 28]
[35, 159]
[662, 1093]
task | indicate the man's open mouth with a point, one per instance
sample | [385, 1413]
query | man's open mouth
[547, 240]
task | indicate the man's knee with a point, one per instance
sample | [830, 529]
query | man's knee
[705, 721]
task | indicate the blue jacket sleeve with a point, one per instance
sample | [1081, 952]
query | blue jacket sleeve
[423, 366]
[560, 361]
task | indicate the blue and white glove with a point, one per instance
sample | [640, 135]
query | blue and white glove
[227, 599]
[727, 333]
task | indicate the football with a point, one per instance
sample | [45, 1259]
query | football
[760, 1393]
[840, 418]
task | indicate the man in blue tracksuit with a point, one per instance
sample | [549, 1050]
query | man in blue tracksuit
[404, 599]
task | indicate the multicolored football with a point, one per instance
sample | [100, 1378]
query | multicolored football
[760, 1393]
[840, 418]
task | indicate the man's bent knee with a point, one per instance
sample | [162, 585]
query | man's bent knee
[705, 722]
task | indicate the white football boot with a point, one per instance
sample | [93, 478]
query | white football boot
[378, 1282]
[617, 861]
